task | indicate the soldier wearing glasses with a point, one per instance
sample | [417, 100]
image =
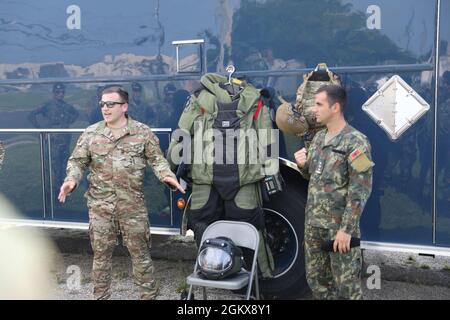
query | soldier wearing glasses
[116, 151]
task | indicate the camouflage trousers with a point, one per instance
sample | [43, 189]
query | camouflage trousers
[331, 275]
[104, 229]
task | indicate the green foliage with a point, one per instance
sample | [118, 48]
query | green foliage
[212, 54]
[20, 178]
[16, 100]
[183, 286]
[309, 31]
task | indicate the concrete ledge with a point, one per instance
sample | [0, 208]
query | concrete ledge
[163, 247]
[175, 248]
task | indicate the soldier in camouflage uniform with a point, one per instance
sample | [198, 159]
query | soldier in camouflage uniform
[2, 154]
[56, 114]
[116, 151]
[164, 112]
[339, 168]
[138, 108]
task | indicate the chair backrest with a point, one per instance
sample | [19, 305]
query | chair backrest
[243, 234]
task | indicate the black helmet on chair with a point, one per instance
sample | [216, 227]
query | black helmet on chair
[219, 258]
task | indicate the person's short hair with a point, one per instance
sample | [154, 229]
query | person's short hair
[116, 89]
[59, 86]
[169, 88]
[335, 94]
[135, 86]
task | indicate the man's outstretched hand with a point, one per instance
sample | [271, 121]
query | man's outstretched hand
[173, 183]
[66, 188]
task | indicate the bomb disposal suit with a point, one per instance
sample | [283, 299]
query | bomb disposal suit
[226, 138]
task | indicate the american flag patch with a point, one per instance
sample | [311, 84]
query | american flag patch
[355, 154]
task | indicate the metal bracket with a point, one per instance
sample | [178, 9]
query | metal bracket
[202, 54]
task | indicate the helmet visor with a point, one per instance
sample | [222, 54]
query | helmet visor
[214, 260]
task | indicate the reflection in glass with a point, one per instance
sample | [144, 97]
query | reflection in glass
[443, 131]
[20, 177]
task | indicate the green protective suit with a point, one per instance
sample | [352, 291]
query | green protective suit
[226, 138]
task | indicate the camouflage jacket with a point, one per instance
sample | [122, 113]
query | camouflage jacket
[117, 166]
[2, 154]
[340, 174]
[55, 114]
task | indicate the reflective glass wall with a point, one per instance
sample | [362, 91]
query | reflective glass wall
[443, 131]
[56, 55]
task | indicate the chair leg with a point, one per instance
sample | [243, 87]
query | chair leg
[189, 293]
[249, 289]
[256, 286]
[204, 294]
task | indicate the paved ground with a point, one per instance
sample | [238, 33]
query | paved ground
[172, 258]
[171, 275]
[403, 276]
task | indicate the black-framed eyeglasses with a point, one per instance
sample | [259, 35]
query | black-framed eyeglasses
[109, 104]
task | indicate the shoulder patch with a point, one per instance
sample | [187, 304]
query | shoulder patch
[359, 161]
[355, 154]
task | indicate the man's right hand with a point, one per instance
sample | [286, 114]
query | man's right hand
[300, 157]
[66, 188]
